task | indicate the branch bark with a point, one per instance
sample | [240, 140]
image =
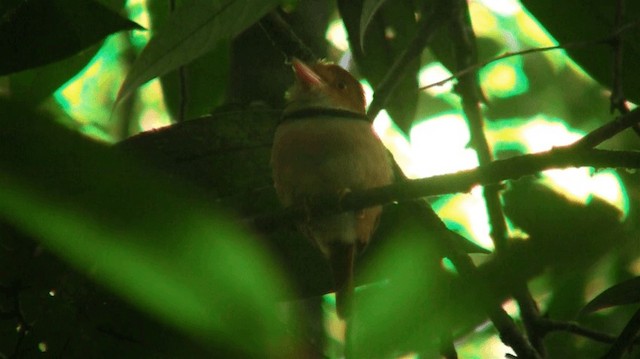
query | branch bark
[459, 182]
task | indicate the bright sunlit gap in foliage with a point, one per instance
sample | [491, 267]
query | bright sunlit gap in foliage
[535, 36]
[439, 144]
[540, 134]
[466, 214]
[334, 328]
[138, 12]
[337, 35]
[502, 7]
[504, 79]
[389, 133]
[486, 342]
[485, 23]
[154, 113]
[89, 96]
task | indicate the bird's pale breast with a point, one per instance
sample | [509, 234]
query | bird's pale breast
[317, 156]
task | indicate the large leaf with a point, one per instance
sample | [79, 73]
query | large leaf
[590, 21]
[227, 155]
[369, 9]
[587, 231]
[150, 241]
[191, 31]
[39, 32]
[34, 85]
[627, 292]
[198, 87]
[388, 32]
[411, 307]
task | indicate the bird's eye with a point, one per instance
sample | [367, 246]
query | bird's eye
[342, 85]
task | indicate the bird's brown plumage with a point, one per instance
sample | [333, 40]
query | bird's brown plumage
[328, 154]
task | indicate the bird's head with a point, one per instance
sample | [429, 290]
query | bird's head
[324, 85]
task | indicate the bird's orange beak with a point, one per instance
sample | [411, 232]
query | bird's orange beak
[305, 74]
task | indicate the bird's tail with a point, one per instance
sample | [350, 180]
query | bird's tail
[341, 257]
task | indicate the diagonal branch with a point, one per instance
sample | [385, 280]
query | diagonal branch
[609, 129]
[550, 325]
[285, 39]
[625, 339]
[459, 182]
[490, 173]
[506, 55]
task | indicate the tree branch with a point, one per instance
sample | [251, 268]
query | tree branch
[464, 42]
[609, 129]
[459, 182]
[550, 325]
[487, 174]
[506, 55]
[285, 39]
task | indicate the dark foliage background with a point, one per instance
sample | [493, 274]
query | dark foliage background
[170, 243]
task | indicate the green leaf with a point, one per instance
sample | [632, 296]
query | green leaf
[407, 308]
[584, 232]
[39, 32]
[369, 9]
[389, 32]
[33, 86]
[591, 21]
[442, 46]
[151, 241]
[205, 82]
[191, 31]
[627, 292]
[200, 85]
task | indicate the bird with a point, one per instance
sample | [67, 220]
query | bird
[325, 145]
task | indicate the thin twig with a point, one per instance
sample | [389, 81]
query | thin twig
[182, 81]
[625, 339]
[530, 313]
[482, 64]
[617, 93]
[568, 45]
[550, 325]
